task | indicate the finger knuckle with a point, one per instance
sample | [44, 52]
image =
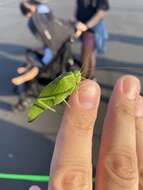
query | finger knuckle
[70, 178]
[125, 108]
[85, 122]
[121, 165]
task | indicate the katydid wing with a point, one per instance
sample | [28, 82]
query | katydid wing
[54, 93]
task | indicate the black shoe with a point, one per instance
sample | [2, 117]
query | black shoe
[19, 107]
[22, 105]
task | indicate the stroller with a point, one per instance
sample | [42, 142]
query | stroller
[62, 62]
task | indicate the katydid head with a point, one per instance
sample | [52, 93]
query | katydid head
[77, 75]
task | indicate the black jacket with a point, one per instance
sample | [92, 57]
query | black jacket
[88, 8]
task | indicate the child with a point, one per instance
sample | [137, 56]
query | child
[43, 25]
[36, 62]
[31, 9]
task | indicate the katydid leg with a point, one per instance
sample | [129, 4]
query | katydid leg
[44, 105]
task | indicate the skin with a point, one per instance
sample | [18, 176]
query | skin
[33, 9]
[28, 76]
[120, 158]
[21, 70]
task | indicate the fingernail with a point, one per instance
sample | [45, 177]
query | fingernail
[131, 87]
[88, 94]
[139, 107]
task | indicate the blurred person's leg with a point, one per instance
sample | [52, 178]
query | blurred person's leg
[28, 76]
[88, 57]
[33, 57]
[21, 91]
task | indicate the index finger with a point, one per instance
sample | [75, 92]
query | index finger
[72, 160]
[117, 166]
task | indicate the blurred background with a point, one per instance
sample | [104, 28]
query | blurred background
[27, 148]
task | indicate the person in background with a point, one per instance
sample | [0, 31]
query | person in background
[31, 7]
[40, 57]
[45, 26]
[90, 15]
[37, 62]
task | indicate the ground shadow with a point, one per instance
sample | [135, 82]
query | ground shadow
[6, 106]
[133, 40]
[7, 71]
[12, 49]
[23, 152]
[104, 63]
[110, 65]
[9, 61]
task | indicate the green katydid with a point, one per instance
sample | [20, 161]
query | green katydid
[55, 93]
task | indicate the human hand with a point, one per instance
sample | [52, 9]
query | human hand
[120, 158]
[81, 27]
